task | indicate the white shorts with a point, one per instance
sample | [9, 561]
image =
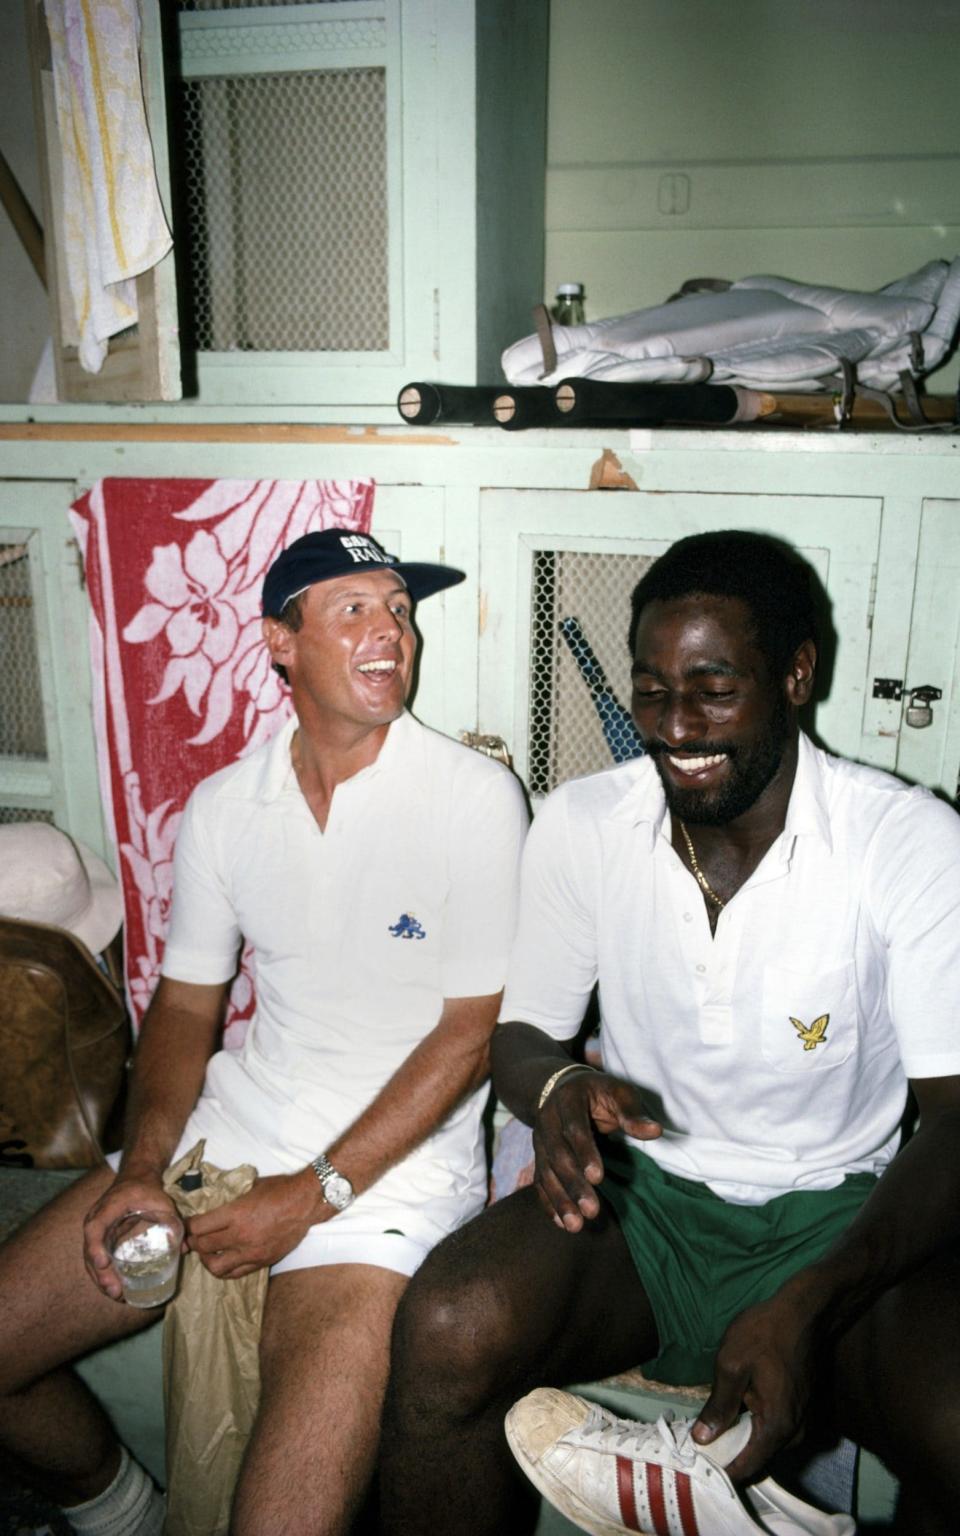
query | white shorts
[394, 1237]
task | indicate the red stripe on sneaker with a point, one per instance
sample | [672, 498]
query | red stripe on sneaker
[688, 1516]
[658, 1508]
[625, 1494]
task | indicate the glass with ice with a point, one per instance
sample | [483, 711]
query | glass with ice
[145, 1249]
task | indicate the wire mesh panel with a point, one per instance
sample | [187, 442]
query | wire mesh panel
[22, 730]
[566, 736]
[286, 180]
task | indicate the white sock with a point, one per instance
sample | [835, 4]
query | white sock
[132, 1505]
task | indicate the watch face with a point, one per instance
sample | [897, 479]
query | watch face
[339, 1191]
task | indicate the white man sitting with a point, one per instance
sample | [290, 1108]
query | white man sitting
[776, 937]
[373, 865]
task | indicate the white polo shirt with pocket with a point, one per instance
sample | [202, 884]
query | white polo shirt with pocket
[776, 1053]
[360, 932]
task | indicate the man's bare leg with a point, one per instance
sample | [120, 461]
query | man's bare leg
[324, 1358]
[897, 1392]
[52, 1313]
[508, 1303]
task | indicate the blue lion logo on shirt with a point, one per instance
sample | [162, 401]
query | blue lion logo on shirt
[407, 927]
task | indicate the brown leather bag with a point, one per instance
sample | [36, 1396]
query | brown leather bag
[64, 1044]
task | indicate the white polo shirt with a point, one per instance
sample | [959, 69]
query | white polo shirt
[360, 932]
[777, 1052]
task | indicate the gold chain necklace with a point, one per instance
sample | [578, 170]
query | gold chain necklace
[698, 873]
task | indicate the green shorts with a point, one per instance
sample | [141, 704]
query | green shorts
[702, 1260]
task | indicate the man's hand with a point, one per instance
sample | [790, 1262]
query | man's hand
[568, 1164]
[128, 1192]
[178, 1036]
[260, 1227]
[766, 1362]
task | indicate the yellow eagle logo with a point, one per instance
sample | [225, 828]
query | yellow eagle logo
[815, 1035]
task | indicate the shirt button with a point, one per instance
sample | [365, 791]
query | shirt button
[701, 969]
[688, 917]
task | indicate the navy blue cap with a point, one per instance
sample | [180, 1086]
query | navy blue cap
[337, 552]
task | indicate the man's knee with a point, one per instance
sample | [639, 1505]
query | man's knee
[52, 1312]
[451, 1337]
[507, 1302]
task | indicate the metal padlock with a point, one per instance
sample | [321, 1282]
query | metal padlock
[919, 700]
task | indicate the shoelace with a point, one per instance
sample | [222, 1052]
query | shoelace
[635, 1440]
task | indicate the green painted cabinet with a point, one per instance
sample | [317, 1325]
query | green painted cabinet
[878, 517]
[891, 573]
[362, 193]
[573, 555]
[47, 754]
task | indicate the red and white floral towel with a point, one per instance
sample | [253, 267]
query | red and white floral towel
[182, 681]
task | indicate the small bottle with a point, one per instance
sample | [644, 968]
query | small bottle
[568, 310]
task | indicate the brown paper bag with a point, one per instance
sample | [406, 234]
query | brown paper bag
[211, 1366]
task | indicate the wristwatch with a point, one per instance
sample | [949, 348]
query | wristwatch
[337, 1190]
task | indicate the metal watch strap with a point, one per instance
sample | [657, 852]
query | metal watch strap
[337, 1189]
[322, 1167]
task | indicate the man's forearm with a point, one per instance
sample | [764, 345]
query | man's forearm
[524, 1058]
[910, 1216]
[178, 1035]
[451, 1062]
[262, 1226]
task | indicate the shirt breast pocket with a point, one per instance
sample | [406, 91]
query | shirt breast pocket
[809, 1020]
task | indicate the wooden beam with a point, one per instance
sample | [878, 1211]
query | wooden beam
[23, 218]
[213, 432]
[804, 411]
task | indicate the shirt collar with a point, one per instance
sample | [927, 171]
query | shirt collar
[807, 814]
[643, 803]
[400, 731]
[277, 773]
[277, 776]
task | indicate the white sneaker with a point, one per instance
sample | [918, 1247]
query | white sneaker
[612, 1476]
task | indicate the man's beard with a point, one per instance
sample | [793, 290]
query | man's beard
[751, 770]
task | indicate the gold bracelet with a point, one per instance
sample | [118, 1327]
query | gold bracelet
[551, 1082]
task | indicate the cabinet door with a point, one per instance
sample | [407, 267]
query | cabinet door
[47, 755]
[551, 555]
[931, 754]
[292, 126]
[363, 193]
